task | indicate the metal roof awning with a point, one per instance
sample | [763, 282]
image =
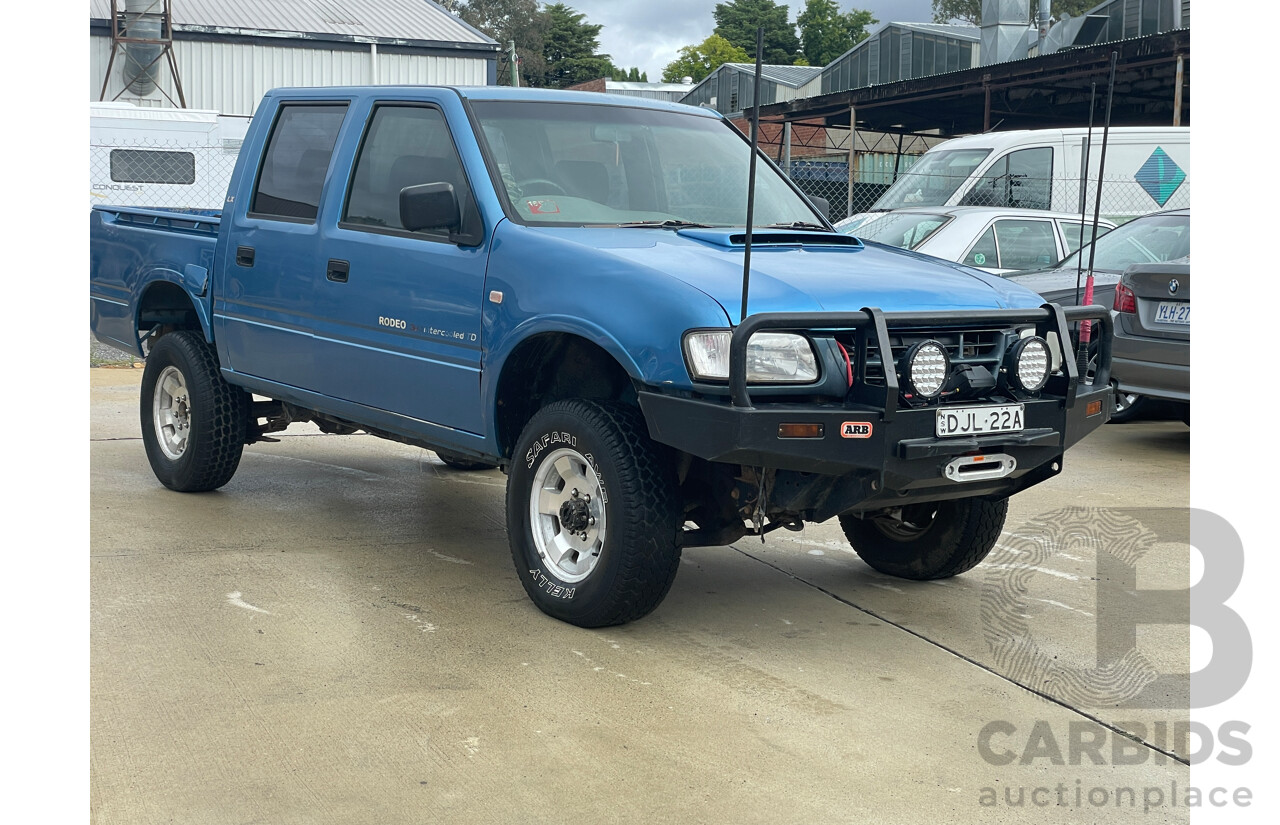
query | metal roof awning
[411, 23]
[1052, 91]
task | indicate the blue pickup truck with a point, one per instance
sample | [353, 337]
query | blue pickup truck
[552, 283]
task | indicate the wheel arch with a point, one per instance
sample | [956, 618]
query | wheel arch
[164, 300]
[552, 365]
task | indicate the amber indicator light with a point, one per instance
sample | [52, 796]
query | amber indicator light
[1093, 408]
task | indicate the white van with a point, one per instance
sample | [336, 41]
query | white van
[179, 158]
[1148, 169]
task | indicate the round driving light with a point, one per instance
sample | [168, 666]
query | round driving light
[926, 367]
[1031, 364]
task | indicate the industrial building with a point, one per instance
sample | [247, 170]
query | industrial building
[670, 92]
[222, 55]
[730, 90]
[897, 51]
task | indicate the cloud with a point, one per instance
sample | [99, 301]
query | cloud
[649, 33]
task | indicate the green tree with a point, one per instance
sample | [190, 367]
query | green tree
[507, 20]
[737, 21]
[970, 11]
[632, 75]
[826, 33]
[702, 59]
[570, 48]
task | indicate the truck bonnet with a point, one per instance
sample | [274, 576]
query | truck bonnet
[801, 277]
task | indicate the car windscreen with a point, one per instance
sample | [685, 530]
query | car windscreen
[906, 230]
[932, 180]
[572, 163]
[1146, 240]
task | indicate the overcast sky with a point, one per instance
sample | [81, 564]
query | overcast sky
[649, 33]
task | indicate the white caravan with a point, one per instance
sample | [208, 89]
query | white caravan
[177, 158]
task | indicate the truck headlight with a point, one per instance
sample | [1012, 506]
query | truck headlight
[772, 357]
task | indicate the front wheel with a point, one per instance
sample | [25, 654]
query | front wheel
[193, 422]
[592, 514]
[935, 540]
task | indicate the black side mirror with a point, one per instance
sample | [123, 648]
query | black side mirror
[822, 205]
[430, 206]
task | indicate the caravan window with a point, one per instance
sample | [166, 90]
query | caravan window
[1020, 180]
[152, 166]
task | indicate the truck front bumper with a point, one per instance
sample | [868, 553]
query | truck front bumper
[892, 456]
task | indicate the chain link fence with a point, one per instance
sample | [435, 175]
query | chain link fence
[150, 172]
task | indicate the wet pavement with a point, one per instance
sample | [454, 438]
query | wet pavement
[338, 635]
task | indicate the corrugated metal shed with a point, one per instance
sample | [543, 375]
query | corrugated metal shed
[945, 29]
[793, 76]
[730, 88]
[230, 52]
[376, 21]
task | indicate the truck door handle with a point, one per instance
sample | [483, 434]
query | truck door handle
[244, 256]
[338, 271]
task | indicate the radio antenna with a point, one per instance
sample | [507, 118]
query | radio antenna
[1082, 358]
[1085, 326]
[751, 183]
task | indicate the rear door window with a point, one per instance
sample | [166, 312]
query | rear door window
[1025, 244]
[297, 157]
[1072, 231]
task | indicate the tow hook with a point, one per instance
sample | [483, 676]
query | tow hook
[980, 467]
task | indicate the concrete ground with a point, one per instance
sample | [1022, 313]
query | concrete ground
[339, 636]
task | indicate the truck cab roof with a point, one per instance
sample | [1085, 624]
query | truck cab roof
[488, 93]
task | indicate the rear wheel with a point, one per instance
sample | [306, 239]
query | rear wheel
[193, 422]
[592, 514]
[935, 540]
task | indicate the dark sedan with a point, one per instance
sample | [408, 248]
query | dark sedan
[1157, 238]
[1152, 344]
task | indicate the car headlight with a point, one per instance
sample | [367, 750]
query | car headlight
[925, 368]
[1029, 364]
[772, 357]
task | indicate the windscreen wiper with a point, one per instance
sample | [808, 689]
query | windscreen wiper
[671, 223]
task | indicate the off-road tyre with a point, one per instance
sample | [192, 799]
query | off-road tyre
[200, 447]
[461, 462]
[938, 540]
[602, 447]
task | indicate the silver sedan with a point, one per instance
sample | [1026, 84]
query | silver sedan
[994, 239]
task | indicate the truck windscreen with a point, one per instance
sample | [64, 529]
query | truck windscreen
[932, 180]
[590, 164]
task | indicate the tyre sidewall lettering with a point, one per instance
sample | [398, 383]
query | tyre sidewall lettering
[540, 576]
[550, 586]
[546, 440]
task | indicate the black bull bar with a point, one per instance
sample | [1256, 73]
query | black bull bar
[1047, 318]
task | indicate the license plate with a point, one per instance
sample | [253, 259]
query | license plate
[1173, 312]
[1004, 418]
